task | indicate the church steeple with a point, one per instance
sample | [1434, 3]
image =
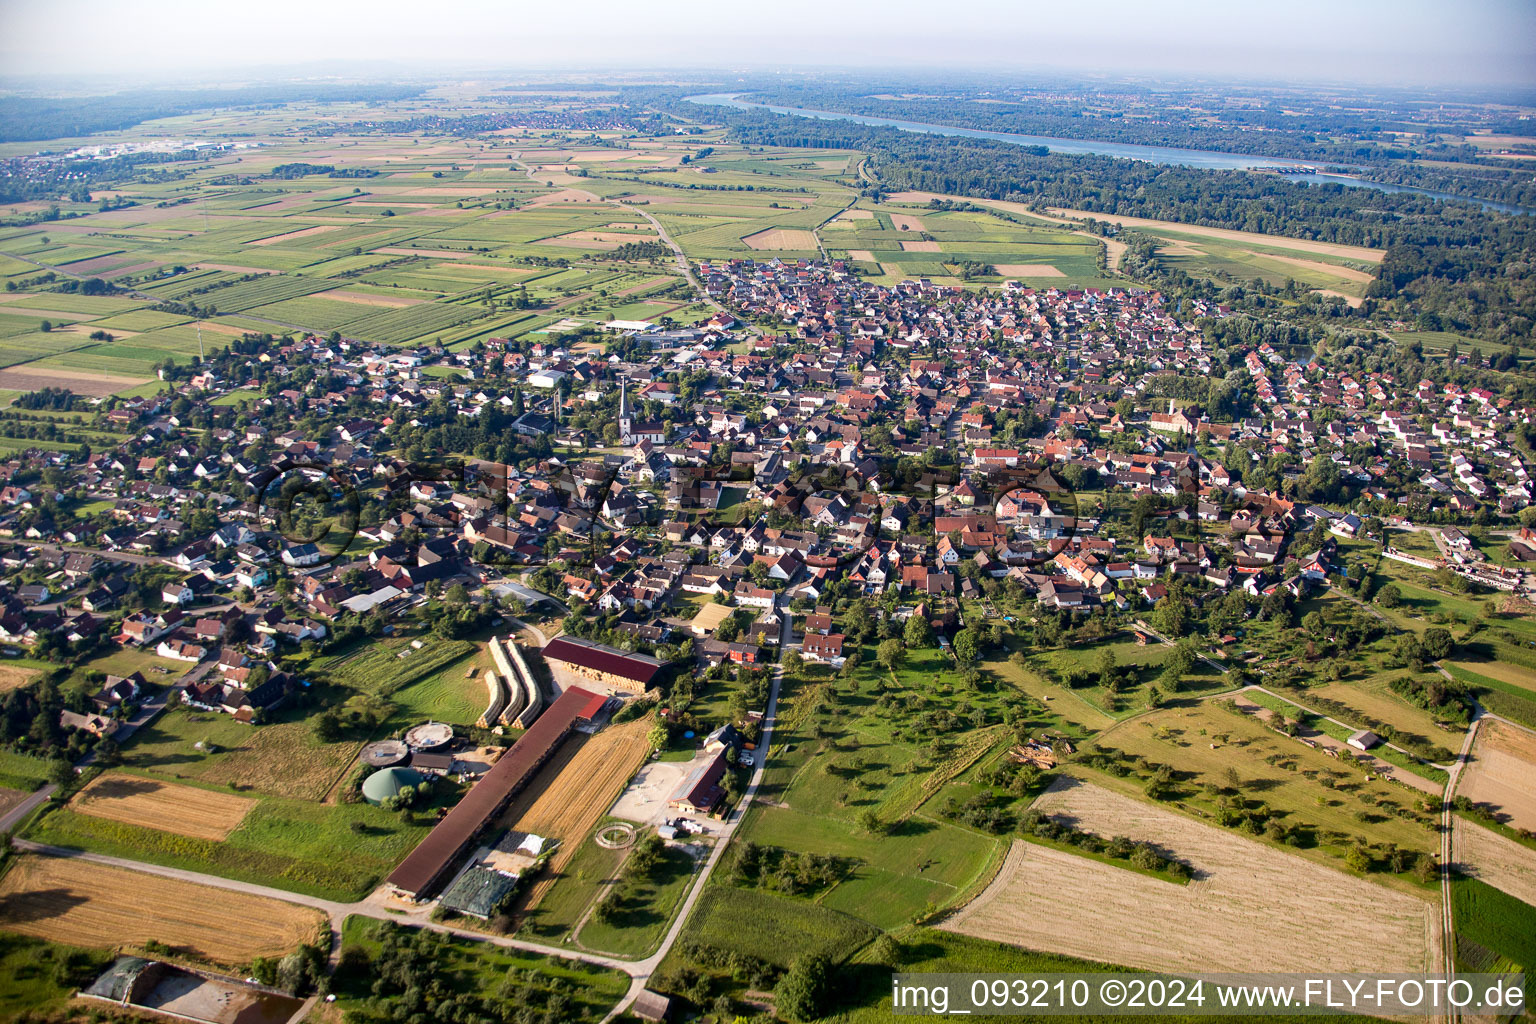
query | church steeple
[624, 417]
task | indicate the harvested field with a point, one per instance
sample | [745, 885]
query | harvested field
[1028, 270]
[94, 385]
[98, 265]
[12, 677]
[224, 329]
[185, 810]
[83, 904]
[782, 238]
[856, 215]
[919, 246]
[906, 222]
[1497, 860]
[1502, 773]
[364, 299]
[862, 255]
[1250, 907]
[574, 790]
[289, 236]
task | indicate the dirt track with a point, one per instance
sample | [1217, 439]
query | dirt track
[1250, 908]
[83, 904]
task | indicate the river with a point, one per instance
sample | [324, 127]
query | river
[1202, 158]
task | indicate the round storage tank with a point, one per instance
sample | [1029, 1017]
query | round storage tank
[385, 753]
[388, 782]
[429, 736]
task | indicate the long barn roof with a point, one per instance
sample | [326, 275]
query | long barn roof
[419, 871]
[601, 658]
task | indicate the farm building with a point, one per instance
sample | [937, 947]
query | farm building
[651, 1006]
[701, 790]
[1363, 740]
[388, 782]
[577, 662]
[428, 864]
[477, 891]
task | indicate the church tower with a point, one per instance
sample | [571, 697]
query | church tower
[626, 423]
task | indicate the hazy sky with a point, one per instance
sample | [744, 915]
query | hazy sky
[1401, 41]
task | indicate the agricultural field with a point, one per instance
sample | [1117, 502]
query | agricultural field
[838, 752]
[447, 695]
[648, 906]
[1496, 860]
[572, 792]
[1240, 913]
[92, 905]
[22, 772]
[1325, 803]
[185, 810]
[1496, 928]
[1502, 773]
[281, 758]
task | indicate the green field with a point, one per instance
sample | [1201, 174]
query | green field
[287, 844]
[647, 907]
[39, 977]
[1496, 921]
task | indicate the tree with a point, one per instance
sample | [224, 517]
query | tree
[327, 726]
[659, 735]
[1171, 617]
[801, 994]
[870, 822]
[891, 654]
[967, 646]
[1437, 643]
[918, 632]
[60, 772]
[1390, 596]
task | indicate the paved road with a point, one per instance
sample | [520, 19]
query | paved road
[9, 820]
[641, 971]
[130, 557]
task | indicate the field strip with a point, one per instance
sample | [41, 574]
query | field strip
[96, 385]
[1353, 252]
[1249, 908]
[1502, 773]
[1347, 273]
[80, 903]
[1497, 860]
[184, 810]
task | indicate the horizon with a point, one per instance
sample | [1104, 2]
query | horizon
[1484, 44]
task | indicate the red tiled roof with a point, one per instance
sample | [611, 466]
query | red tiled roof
[602, 659]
